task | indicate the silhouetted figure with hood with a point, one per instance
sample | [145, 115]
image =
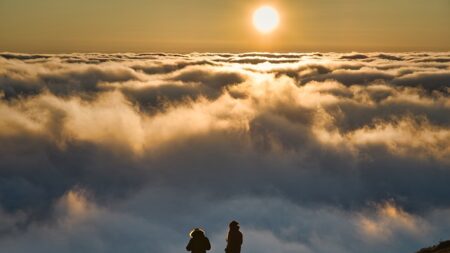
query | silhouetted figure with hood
[234, 239]
[199, 243]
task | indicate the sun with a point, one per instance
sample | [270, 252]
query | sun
[266, 19]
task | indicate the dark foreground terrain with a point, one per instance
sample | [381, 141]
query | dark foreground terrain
[442, 247]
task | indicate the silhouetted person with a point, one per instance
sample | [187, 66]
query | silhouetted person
[234, 239]
[199, 243]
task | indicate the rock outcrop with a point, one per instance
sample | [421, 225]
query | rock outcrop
[442, 247]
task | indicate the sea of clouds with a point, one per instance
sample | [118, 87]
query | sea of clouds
[311, 153]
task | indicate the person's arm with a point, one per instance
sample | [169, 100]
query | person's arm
[240, 238]
[208, 244]
[228, 242]
[189, 246]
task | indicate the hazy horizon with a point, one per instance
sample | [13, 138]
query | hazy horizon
[217, 26]
[215, 52]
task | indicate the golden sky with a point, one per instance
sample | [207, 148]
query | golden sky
[49, 26]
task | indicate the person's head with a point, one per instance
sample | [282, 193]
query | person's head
[234, 225]
[197, 232]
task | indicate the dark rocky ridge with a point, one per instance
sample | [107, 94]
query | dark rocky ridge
[442, 247]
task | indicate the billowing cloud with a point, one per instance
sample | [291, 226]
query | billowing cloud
[310, 152]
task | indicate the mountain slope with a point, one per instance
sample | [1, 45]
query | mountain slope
[442, 247]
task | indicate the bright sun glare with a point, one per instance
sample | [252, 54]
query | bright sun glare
[265, 19]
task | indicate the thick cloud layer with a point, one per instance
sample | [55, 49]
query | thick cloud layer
[310, 152]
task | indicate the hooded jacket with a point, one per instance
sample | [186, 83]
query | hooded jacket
[234, 241]
[199, 243]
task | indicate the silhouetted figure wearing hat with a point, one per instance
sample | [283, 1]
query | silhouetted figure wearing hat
[199, 243]
[234, 239]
